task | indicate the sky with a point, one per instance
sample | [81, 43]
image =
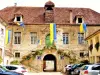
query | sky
[92, 4]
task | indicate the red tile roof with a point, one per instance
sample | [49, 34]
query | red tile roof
[35, 15]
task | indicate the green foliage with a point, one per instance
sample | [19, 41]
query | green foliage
[48, 44]
[61, 52]
[0, 59]
[15, 62]
[39, 52]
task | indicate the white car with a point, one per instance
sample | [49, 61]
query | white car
[17, 68]
[92, 69]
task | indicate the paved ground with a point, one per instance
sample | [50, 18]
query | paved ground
[46, 73]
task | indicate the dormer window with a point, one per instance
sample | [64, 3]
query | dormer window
[18, 18]
[79, 19]
[49, 8]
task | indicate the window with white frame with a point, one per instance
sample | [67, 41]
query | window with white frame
[17, 54]
[33, 37]
[80, 38]
[79, 19]
[65, 38]
[17, 37]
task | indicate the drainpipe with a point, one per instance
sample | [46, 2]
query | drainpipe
[71, 17]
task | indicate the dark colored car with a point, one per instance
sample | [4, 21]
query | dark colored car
[75, 68]
[4, 71]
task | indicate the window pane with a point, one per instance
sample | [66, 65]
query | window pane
[31, 40]
[85, 68]
[80, 38]
[81, 54]
[65, 38]
[17, 38]
[79, 20]
[33, 37]
[96, 68]
[17, 54]
[18, 18]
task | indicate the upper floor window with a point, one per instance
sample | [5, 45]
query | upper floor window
[33, 37]
[79, 19]
[17, 37]
[80, 38]
[17, 54]
[18, 18]
[65, 38]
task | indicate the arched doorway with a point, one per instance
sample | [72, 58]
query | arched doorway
[49, 63]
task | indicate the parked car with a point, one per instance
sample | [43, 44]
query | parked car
[75, 70]
[17, 68]
[90, 70]
[4, 71]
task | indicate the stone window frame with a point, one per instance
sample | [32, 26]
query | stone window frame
[33, 37]
[65, 38]
[80, 38]
[17, 37]
[17, 54]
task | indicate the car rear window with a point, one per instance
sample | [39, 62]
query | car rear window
[74, 65]
[85, 68]
[11, 67]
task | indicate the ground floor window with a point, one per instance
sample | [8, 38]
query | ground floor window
[17, 54]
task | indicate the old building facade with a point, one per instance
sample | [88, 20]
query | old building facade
[94, 47]
[24, 39]
[2, 37]
[4, 55]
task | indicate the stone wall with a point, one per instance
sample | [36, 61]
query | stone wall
[42, 30]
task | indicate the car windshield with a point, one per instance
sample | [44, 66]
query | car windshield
[74, 65]
[85, 67]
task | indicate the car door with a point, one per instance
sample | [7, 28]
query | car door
[95, 70]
